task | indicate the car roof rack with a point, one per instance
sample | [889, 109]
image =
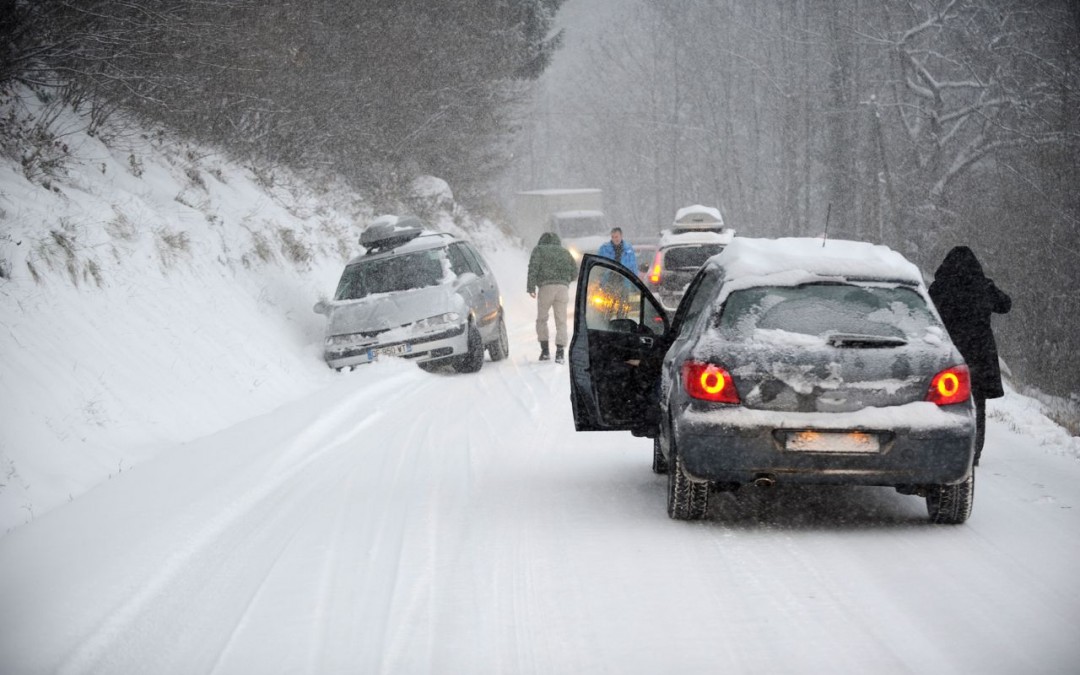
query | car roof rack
[384, 236]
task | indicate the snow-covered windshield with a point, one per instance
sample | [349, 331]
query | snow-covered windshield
[826, 309]
[386, 275]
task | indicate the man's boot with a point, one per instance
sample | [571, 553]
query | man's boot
[544, 354]
[559, 356]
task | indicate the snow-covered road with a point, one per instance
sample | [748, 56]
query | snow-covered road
[399, 521]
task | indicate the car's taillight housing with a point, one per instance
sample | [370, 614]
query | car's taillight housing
[654, 275]
[709, 382]
[950, 386]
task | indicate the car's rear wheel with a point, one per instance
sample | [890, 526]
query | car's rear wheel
[951, 504]
[500, 348]
[473, 359]
[687, 500]
[659, 462]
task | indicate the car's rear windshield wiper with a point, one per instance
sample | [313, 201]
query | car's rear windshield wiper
[856, 341]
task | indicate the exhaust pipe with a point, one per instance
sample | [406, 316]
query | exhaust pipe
[764, 481]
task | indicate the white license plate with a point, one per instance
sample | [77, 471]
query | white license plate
[826, 441]
[393, 350]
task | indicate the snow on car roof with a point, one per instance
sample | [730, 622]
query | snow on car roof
[794, 261]
[677, 237]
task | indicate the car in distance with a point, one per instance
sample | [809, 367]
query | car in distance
[785, 362]
[677, 260]
[417, 294]
[580, 231]
[697, 234]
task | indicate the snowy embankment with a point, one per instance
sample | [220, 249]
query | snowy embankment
[154, 292]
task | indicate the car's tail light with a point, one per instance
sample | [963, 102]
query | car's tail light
[709, 382]
[654, 276]
[952, 385]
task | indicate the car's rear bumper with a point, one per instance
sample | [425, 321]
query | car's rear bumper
[424, 348]
[937, 453]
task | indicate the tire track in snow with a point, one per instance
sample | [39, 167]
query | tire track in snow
[335, 431]
[467, 566]
[383, 536]
[252, 601]
[515, 572]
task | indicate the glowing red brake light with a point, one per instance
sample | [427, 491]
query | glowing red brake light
[709, 382]
[952, 385]
[654, 276]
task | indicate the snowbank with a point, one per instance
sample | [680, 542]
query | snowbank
[153, 292]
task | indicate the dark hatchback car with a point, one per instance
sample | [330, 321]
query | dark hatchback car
[785, 362]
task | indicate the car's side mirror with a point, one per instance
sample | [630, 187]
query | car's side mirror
[321, 307]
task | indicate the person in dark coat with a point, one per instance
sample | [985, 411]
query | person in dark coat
[551, 270]
[965, 298]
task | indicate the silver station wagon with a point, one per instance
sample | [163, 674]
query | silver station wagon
[785, 362]
[416, 294]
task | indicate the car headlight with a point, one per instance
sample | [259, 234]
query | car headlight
[439, 320]
[337, 340]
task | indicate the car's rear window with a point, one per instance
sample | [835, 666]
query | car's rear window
[826, 309]
[387, 275]
[690, 257]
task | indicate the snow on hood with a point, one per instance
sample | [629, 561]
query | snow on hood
[391, 310]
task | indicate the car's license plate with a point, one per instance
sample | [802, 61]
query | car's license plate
[393, 350]
[827, 441]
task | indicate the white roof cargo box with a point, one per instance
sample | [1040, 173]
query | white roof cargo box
[698, 217]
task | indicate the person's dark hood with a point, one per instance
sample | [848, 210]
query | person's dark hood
[550, 239]
[959, 263]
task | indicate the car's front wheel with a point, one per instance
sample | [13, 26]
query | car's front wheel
[951, 504]
[473, 359]
[500, 348]
[687, 500]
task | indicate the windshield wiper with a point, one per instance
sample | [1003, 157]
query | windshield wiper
[863, 341]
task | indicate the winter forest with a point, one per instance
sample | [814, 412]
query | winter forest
[920, 124]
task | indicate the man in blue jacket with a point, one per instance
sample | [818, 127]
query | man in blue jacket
[618, 250]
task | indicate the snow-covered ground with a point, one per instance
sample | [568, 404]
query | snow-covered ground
[236, 507]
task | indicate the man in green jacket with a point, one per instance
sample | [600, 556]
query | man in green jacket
[551, 269]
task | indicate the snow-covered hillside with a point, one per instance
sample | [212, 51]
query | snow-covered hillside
[153, 292]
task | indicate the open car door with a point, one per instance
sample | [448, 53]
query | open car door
[620, 338]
